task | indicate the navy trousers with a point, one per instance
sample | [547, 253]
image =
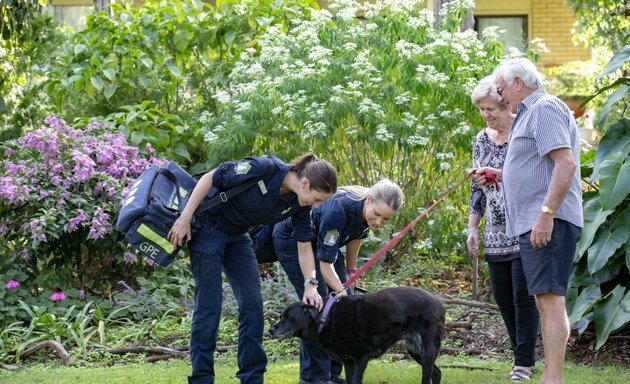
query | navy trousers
[314, 362]
[212, 252]
[518, 308]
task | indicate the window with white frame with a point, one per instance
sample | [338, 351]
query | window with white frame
[515, 28]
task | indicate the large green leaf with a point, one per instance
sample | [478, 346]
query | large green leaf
[97, 82]
[614, 175]
[582, 303]
[182, 151]
[605, 244]
[181, 39]
[623, 219]
[616, 139]
[612, 314]
[619, 94]
[587, 163]
[615, 62]
[581, 277]
[593, 218]
[110, 89]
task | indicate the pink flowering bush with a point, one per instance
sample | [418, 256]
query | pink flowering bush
[60, 191]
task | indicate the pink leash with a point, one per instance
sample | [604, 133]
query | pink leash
[395, 239]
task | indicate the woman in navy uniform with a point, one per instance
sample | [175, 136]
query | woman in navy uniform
[222, 243]
[341, 221]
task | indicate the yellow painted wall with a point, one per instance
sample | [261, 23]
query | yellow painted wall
[550, 20]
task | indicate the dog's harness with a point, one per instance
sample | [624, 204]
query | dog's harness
[321, 319]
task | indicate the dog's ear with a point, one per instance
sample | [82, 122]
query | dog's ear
[310, 311]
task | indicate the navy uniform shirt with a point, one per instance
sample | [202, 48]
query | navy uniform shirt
[336, 221]
[260, 204]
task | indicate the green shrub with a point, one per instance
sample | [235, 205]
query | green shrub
[154, 69]
[599, 290]
[573, 79]
[30, 39]
[385, 95]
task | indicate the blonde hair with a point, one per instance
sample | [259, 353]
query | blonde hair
[384, 190]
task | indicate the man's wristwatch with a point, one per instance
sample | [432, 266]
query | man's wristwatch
[311, 281]
[547, 210]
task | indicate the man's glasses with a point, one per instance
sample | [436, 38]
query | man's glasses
[501, 89]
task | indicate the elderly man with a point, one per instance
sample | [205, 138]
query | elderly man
[541, 183]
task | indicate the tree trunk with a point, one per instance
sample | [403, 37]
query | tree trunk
[101, 5]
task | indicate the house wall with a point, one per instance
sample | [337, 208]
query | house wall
[550, 20]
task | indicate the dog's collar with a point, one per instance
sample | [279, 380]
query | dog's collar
[332, 299]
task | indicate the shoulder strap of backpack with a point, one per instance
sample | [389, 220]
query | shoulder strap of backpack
[222, 197]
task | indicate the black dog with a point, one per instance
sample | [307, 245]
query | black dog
[360, 327]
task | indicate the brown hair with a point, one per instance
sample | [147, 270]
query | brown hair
[320, 173]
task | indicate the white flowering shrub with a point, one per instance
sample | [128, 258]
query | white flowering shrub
[380, 90]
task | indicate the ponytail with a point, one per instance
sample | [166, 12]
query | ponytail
[321, 174]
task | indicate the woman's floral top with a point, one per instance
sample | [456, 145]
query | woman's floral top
[487, 201]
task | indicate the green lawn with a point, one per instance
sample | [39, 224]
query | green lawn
[379, 371]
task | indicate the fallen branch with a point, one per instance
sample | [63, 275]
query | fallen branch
[154, 358]
[459, 351]
[449, 351]
[458, 324]
[476, 304]
[61, 351]
[396, 356]
[10, 367]
[150, 349]
[224, 348]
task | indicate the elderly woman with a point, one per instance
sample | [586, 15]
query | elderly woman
[507, 279]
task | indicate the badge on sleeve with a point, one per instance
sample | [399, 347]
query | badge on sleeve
[331, 237]
[242, 167]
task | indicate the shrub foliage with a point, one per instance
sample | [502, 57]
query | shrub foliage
[599, 286]
[386, 94]
[60, 191]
